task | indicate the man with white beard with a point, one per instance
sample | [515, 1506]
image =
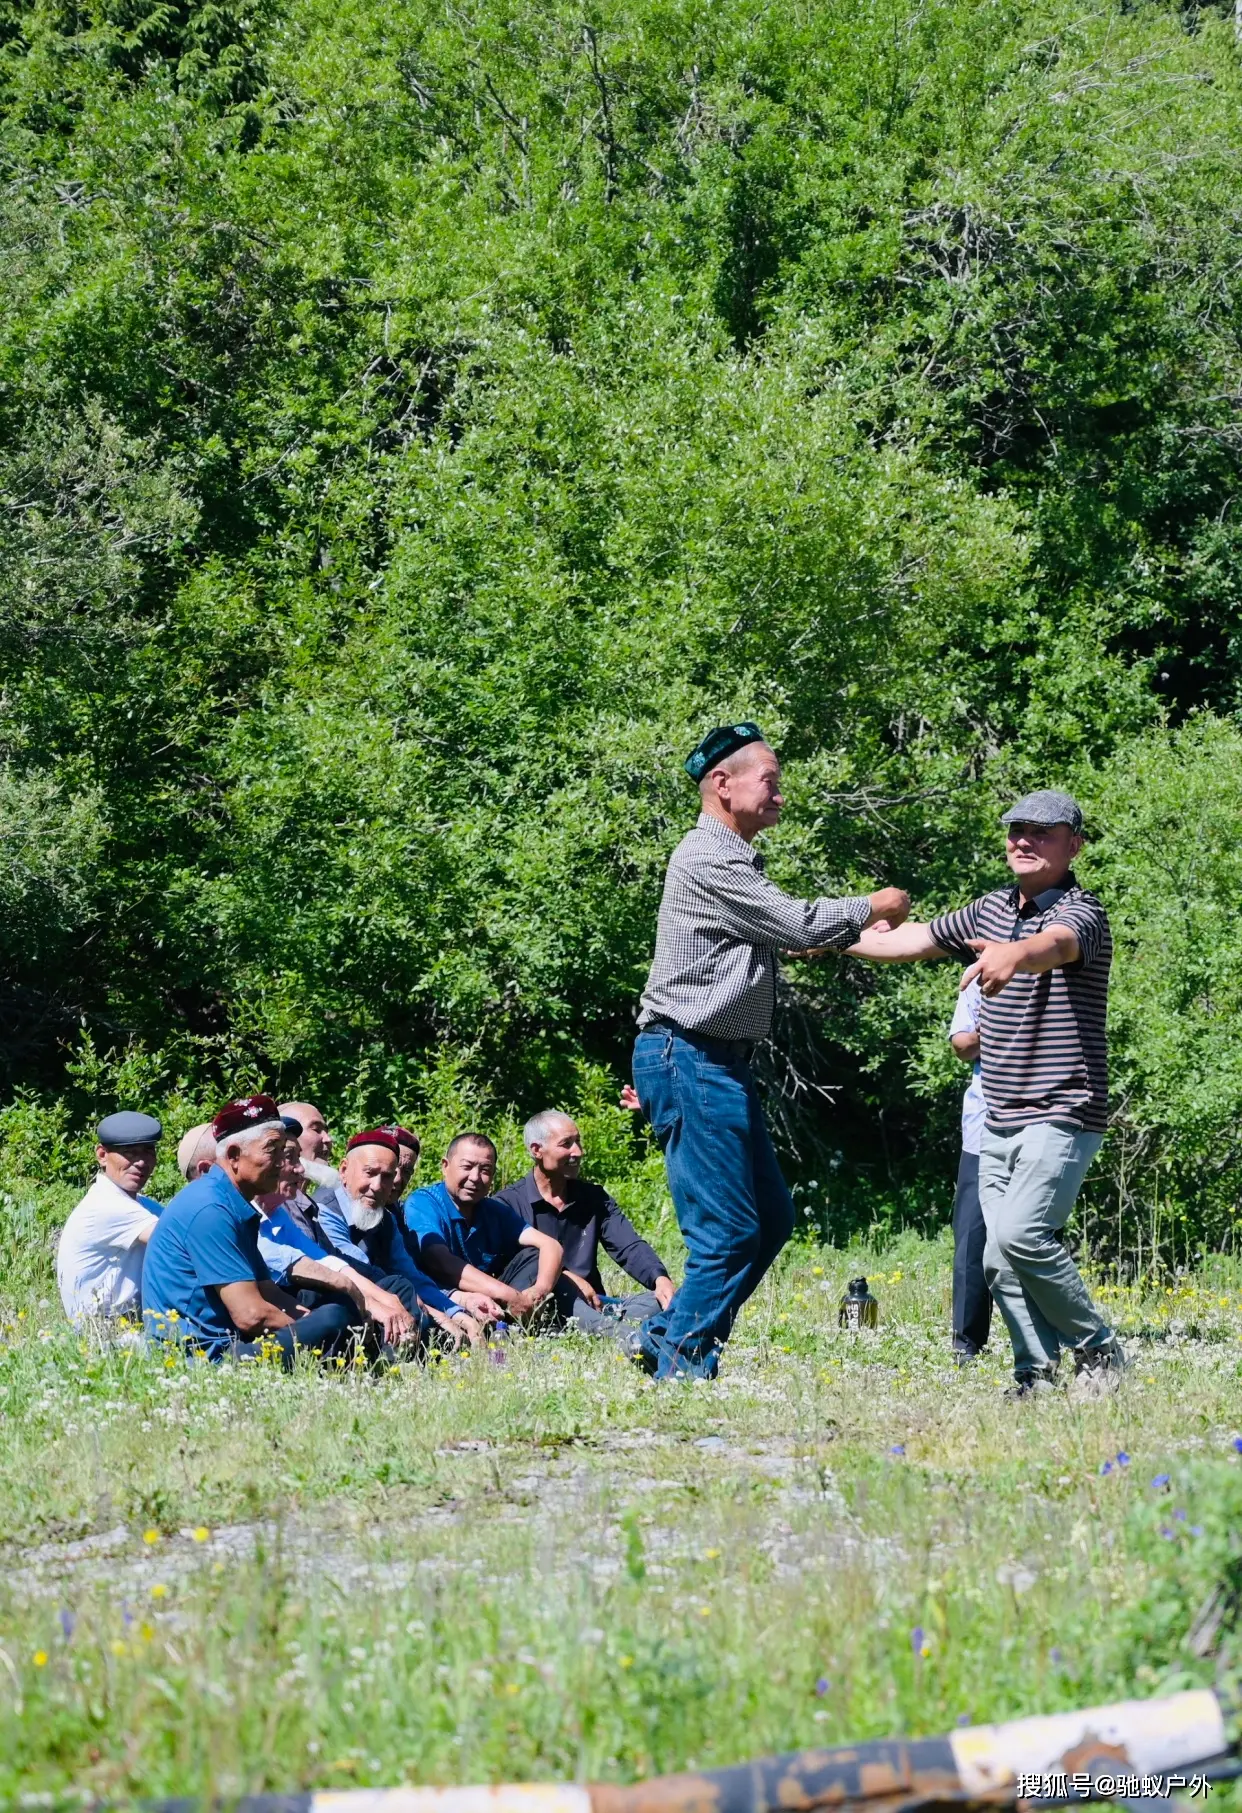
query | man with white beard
[354, 1222]
[300, 1265]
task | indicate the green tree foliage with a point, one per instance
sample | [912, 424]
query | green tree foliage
[418, 423]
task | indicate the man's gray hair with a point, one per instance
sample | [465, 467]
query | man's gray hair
[244, 1136]
[538, 1127]
[736, 758]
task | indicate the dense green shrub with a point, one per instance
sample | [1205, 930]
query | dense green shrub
[417, 424]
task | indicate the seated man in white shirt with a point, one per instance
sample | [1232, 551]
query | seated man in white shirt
[103, 1243]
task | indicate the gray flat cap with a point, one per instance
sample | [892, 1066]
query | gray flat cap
[1045, 808]
[128, 1129]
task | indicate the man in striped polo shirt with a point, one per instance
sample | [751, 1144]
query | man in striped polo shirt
[1040, 949]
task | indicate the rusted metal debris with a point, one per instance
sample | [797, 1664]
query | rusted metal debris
[890, 1774]
[979, 1766]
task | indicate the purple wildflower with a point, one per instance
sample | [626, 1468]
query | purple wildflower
[916, 1639]
[1196, 1529]
[1123, 1459]
[898, 1448]
[1106, 1466]
[1167, 1533]
[127, 1617]
[68, 1622]
[1180, 1515]
[1237, 1443]
[1161, 1480]
[1054, 1655]
[822, 1685]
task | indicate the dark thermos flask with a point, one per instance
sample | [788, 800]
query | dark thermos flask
[859, 1308]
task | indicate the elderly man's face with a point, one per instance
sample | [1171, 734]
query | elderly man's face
[368, 1173]
[407, 1162]
[128, 1167]
[255, 1163]
[316, 1141]
[749, 787]
[561, 1153]
[1040, 855]
[292, 1174]
[469, 1172]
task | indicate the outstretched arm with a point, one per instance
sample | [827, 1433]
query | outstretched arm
[908, 943]
[756, 911]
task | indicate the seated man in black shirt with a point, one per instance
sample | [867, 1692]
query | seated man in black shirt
[553, 1199]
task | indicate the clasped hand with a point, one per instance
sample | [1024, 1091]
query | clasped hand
[890, 907]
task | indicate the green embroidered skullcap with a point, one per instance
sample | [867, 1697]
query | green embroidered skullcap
[719, 743]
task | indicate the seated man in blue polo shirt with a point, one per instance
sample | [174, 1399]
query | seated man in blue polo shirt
[470, 1240]
[353, 1221]
[204, 1283]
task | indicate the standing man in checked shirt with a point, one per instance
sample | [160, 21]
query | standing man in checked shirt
[708, 1002]
[1041, 951]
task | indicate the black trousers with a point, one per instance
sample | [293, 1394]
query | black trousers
[366, 1331]
[558, 1306]
[327, 1328]
[403, 1289]
[972, 1300]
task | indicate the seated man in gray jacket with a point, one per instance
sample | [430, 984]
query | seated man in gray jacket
[582, 1216]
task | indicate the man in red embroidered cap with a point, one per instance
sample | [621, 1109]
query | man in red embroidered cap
[354, 1221]
[205, 1283]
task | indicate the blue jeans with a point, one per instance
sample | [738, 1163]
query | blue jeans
[733, 1208]
[327, 1328]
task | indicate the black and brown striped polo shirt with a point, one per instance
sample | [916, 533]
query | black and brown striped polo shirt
[1042, 1040]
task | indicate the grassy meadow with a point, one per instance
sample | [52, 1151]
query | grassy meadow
[534, 1563]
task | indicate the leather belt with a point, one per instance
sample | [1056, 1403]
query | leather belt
[741, 1047]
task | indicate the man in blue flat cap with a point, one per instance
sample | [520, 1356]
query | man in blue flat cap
[708, 1002]
[103, 1244]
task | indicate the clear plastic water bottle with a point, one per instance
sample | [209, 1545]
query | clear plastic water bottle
[859, 1308]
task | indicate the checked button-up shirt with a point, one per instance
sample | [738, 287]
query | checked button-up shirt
[721, 926]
